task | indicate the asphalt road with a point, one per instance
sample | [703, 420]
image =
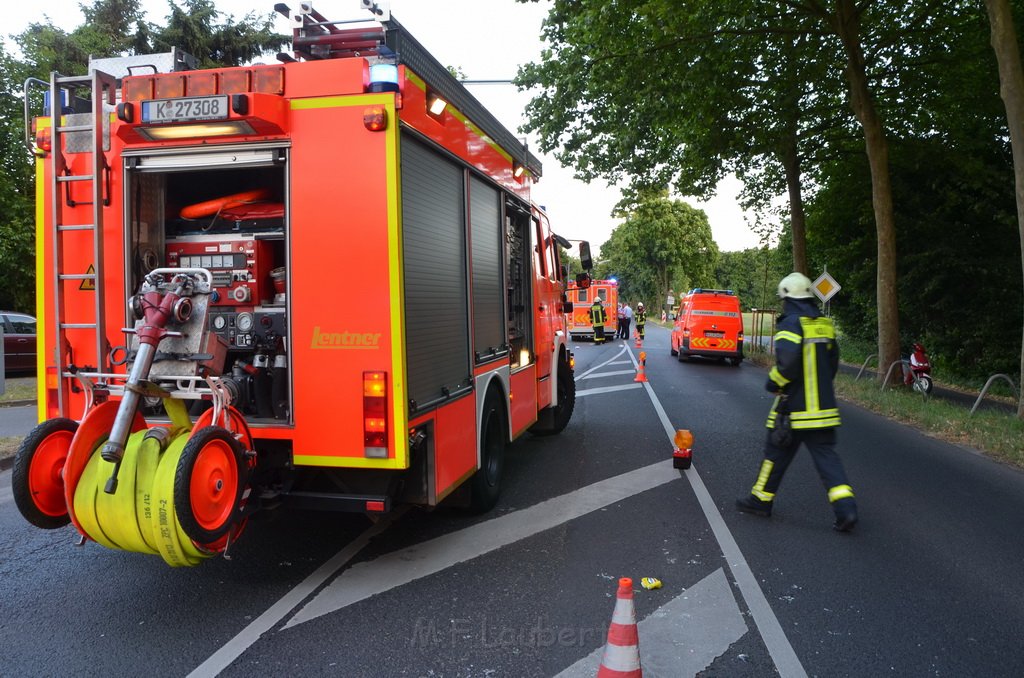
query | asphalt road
[17, 420]
[928, 584]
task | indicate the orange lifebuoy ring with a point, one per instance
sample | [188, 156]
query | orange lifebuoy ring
[209, 207]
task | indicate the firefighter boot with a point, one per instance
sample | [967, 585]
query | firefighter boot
[846, 514]
[751, 504]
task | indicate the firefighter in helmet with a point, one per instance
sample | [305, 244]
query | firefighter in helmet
[641, 318]
[597, 319]
[807, 358]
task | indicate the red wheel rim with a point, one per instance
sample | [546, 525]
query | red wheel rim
[235, 423]
[213, 486]
[45, 479]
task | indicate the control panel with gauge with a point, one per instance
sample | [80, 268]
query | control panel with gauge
[240, 266]
[250, 328]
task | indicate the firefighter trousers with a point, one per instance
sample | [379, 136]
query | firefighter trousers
[598, 334]
[821, 443]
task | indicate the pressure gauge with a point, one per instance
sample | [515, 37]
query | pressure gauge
[244, 322]
[219, 322]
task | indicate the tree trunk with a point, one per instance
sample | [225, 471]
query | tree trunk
[1011, 89]
[846, 23]
[797, 222]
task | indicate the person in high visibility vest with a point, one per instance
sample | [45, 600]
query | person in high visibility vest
[807, 359]
[597, 319]
[641, 318]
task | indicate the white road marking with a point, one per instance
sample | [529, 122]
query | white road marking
[607, 374]
[611, 361]
[367, 579]
[779, 647]
[6, 493]
[606, 389]
[683, 636]
[234, 648]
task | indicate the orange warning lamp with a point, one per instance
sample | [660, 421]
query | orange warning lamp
[682, 455]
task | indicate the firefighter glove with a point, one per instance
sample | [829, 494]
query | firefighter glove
[771, 386]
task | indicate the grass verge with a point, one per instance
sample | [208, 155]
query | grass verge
[20, 388]
[998, 435]
[8, 446]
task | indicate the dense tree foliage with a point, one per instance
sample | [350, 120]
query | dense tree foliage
[753, 274]
[810, 96]
[960, 285]
[111, 28]
[663, 244]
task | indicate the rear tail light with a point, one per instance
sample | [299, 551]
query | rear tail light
[375, 421]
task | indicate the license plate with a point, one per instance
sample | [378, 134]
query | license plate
[185, 108]
[716, 335]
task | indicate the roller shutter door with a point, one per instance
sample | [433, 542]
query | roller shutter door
[488, 283]
[434, 244]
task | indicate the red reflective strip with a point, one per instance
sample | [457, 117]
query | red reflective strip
[623, 634]
[377, 506]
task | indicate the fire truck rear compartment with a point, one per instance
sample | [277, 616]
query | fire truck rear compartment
[242, 243]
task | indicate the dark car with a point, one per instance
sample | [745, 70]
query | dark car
[19, 342]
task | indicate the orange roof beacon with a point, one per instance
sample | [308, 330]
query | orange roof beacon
[320, 283]
[710, 325]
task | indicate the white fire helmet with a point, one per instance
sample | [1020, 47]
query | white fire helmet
[795, 286]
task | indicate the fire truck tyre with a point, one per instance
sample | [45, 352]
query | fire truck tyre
[736, 361]
[208, 484]
[561, 413]
[923, 384]
[672, 350]
[486, 482]
[37, 479]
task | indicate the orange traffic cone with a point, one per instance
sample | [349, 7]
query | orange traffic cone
[639, 341]
[640, 375]
[622, 651]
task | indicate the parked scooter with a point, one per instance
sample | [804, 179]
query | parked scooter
[917, 370]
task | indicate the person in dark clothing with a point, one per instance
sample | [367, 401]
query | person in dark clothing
[597, 319]
[807, 359]
[641, 319]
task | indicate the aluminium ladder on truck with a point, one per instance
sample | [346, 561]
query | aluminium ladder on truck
[85, 133]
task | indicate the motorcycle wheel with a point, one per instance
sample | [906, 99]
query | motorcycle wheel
[923, 384]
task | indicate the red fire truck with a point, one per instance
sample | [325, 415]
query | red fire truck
[319, 282]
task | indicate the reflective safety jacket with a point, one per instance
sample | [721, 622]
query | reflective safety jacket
[807, 359]
[597, 314]
[641, 317]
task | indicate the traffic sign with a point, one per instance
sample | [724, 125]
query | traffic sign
[825, 287]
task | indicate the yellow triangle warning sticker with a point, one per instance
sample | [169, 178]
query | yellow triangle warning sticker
[89, 284]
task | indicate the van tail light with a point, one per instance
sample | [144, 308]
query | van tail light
[375, 420]
[739, 337]
[686, 331]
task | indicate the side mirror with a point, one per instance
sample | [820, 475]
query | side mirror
[585, 260]
[567, 307]
[583, 280]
